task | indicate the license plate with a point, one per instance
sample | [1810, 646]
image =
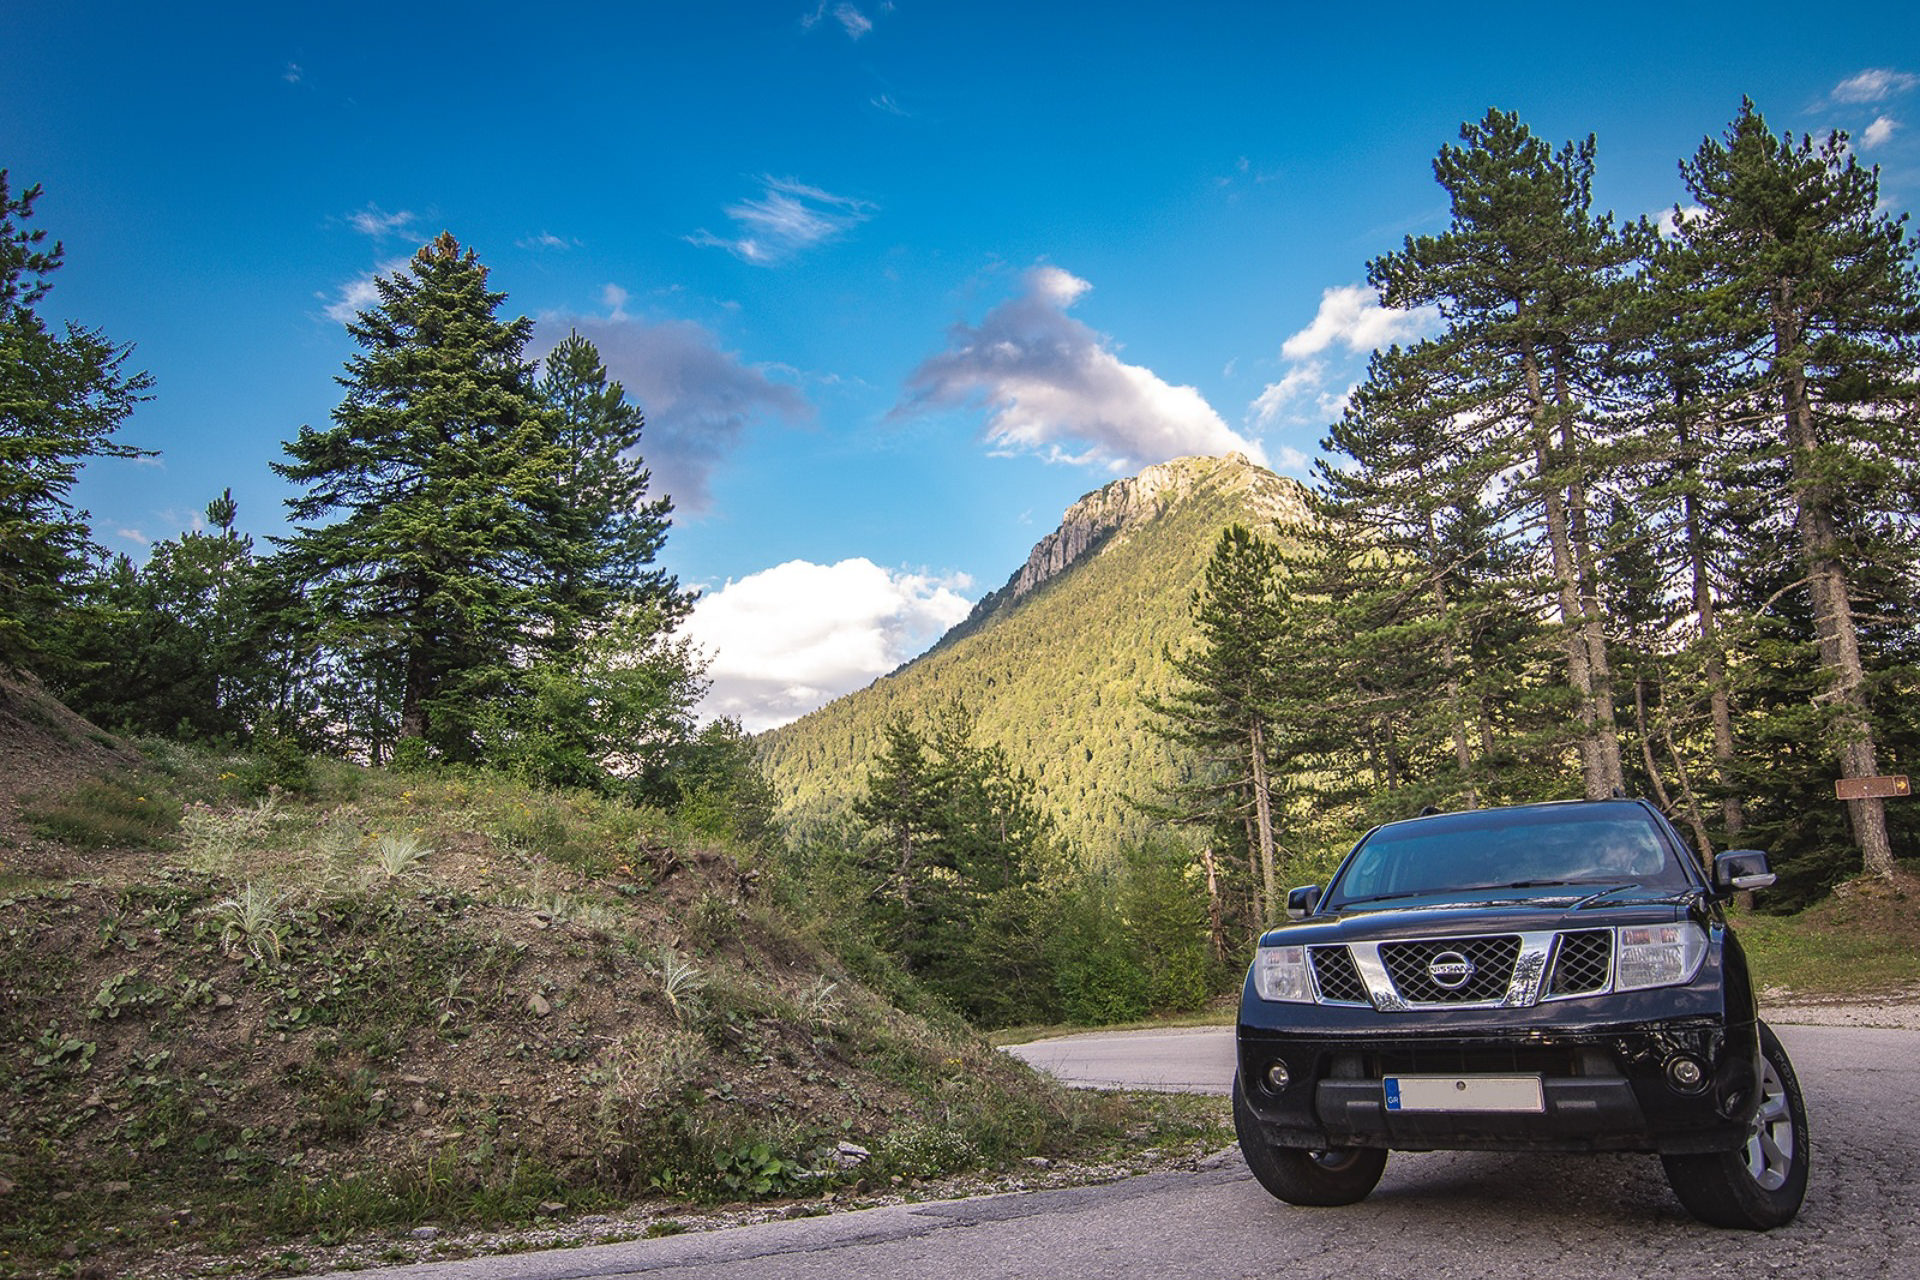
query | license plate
[1464, 1093]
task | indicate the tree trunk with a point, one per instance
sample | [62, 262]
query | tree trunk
[1593, 618]
[1836, 639]
[1456, 712]
[1263, 814]
[1216, 925]
[413, 698]
[1594, 776]
[1720, 705]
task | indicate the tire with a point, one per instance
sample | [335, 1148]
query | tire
[1341, 1175]
[1760, 1186]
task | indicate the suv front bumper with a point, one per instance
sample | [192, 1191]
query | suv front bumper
[1605, 1087]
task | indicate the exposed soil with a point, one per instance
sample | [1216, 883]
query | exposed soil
[493, 1036]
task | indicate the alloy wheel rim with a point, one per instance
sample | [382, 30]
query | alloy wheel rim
[1770, 1146]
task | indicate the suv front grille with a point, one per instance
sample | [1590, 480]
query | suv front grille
[1424, 971]
[1582, 963]
[1339, 980]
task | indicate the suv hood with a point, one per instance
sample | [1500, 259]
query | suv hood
[1492, 911]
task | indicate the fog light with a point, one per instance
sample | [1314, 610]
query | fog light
[1278, 1077]
[1685, 1074]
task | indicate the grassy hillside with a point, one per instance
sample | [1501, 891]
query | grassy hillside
[237, 1027]
[1056, 677]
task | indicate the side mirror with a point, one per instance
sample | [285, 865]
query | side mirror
[1741, 869]
[1302, 901]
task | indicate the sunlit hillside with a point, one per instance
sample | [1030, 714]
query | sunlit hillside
[1056, 663]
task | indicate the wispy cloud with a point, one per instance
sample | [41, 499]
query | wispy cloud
[1054, 387]
[792, 638]
[1876, 84]
[851, 19]
[1880, 131]
[697, 397]
[788, 218]
[546, 241]
[885, 102]
[292, 73]
[359, 293]
[378, 223]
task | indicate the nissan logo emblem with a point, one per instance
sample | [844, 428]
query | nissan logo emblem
[1450, 970]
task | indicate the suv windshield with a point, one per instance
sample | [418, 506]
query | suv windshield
[1587, 844]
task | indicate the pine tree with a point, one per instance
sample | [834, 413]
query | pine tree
[62, 398]
[1815, 288]
[440, 476]
[1226, 707]
[1529, 279]
[169, 647]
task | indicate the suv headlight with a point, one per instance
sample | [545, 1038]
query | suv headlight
[1281, 973]
[1657, 955]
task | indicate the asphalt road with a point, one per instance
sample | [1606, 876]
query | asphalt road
[1437, 1215]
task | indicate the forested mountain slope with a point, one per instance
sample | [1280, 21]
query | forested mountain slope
[1055, 664]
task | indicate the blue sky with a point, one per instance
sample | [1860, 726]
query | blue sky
[894, 282]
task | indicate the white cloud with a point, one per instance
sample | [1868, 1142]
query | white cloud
[697, 397]
[1671, 218]
[794, 637]
[1291, 459]
[1874, 85]
[293, 73]
[1054, 387]
[1879, 131]
[790, 217]
[546, 240]
[614, 299]
[1352, 315]
[377, 222]
[1349, 316]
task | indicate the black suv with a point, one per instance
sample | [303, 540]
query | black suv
[1548, 977]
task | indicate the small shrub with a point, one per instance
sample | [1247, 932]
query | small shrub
[250, 923]
[919, 1150]
[713, 920]
[819, 1004]
[754, 1171]
[216, 838]
[681, 983]
[399, 857]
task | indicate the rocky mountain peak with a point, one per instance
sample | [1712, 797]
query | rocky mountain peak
[1127, 504]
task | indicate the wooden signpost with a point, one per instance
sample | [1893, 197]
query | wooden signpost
[1867, 788]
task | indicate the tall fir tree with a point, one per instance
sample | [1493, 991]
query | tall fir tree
[438, 482]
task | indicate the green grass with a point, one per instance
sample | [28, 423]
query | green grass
[106, 813]
[1219, 1013]
[1836, 949]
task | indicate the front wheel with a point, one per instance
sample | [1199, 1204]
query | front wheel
[1760, 1186]
[1340, 1175]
